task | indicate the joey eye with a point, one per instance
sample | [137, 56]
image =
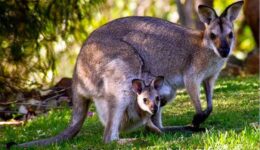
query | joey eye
[230, 35]
[146, 101]
[213, 36]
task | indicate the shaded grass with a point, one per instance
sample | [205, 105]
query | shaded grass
[236, 107]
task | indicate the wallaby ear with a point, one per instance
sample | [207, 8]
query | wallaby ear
[158, 82]
[232, 11]
[138, 85]
[206, 14]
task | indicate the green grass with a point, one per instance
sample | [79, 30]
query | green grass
[235, 108]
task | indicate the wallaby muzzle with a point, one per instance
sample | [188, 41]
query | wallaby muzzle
[224, 52]
[224, 48]
[154, 108]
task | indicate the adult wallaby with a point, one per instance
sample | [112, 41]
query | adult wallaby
[114, 54]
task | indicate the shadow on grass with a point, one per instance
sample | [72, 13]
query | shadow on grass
[234, 121]
[226, 119]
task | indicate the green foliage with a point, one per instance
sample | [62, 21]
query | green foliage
[230, 126]
[29, 33]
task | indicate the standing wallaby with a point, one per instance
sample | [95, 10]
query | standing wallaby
[114, 54]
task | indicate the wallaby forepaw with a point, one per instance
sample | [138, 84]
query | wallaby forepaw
[199, 118]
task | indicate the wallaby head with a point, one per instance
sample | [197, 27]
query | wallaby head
[148, 96]
[219, 34]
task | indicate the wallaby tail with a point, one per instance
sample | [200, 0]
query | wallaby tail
[80, 108]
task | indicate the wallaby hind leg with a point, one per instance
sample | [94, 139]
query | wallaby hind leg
[115, 115]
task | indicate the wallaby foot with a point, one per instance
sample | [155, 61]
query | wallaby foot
[126, 141]
[108, 138]
[200, 118]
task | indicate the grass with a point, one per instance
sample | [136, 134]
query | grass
[230, 126]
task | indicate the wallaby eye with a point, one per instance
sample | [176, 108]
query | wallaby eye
[213, 36]
[230, 35]
[146, 101]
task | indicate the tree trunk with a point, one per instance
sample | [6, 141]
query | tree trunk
[251, 11]
[187, 11]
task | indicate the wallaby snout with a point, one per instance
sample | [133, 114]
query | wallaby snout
[154, 109]
[224, 51]
[152, 106]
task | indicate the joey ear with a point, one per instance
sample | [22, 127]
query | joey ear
[206, 14]
[138, 85]
[232, 11]
[158, 82]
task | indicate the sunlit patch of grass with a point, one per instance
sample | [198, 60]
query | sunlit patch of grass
[236, 107]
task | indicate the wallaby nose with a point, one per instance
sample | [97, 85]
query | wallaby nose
[224, 48]
[224, 51]
[155, 109]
